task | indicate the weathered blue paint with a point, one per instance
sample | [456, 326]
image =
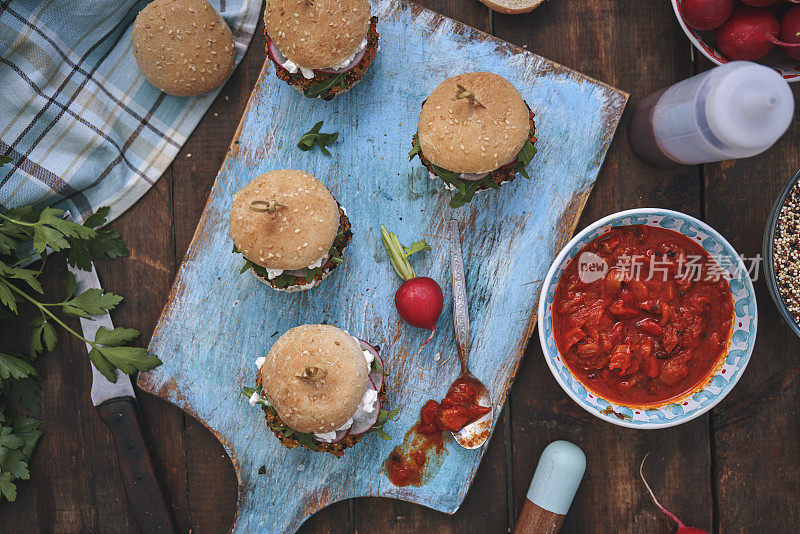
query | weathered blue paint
[218, 321]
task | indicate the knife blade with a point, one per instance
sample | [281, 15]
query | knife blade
[102, 388]
[116, 404]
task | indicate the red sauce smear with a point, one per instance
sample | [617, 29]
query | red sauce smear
[643, 336]
[406, 464]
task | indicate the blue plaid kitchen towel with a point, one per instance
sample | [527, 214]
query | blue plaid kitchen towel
[81, 124]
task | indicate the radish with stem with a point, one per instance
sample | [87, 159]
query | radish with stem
[682, 529]
[419, 300]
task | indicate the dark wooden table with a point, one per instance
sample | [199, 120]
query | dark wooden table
[735, 469]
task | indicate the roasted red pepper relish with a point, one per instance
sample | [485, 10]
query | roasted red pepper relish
[458, 409]
[645, 335]
[405, 467]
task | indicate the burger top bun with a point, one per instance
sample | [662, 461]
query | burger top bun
[315, 377]
[512, 6]
[317, 34]
[183, 47]
[463, 137]
[299, 231]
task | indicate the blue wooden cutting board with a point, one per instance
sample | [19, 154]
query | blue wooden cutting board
[217, 321]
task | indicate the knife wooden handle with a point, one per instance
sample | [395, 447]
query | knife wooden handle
[144, 494]
[536, 520]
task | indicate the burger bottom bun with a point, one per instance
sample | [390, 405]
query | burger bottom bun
[513, 7]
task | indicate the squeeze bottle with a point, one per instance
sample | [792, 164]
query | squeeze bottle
[733, 111]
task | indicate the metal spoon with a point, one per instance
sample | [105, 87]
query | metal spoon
[474, 434]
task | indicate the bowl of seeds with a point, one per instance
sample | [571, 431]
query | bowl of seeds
[782, 253]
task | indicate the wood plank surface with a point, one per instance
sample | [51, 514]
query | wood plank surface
[756, 430]
[739, 462]
[601, 39]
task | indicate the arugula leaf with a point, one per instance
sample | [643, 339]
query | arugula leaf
[384, 416]
[315, 137]
[416, 148]
[524, 158]
[318, 89]
[91, 302]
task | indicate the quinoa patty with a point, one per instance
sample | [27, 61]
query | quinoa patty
[337, 449]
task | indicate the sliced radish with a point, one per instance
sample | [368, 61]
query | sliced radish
[363, 421]
[375, 376]
[350, 66]
[275, 53]
[472, 177]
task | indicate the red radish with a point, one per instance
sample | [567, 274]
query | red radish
[748, 34]
[759, 3]
[704, 15]
[790, 32]
[419, 300]
[682, 529]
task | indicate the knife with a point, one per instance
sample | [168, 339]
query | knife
[116, 404]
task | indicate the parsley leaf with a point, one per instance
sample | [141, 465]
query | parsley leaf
[15, 366]
[322, 88]
[315, 137]
[45, 231]
[127, 359]
[91, 302]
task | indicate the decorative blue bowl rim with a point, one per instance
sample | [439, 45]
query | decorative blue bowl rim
[742, 339]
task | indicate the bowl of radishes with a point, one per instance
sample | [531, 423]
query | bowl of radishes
[764, 31]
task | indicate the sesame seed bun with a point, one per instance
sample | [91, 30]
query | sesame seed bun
[298, 233]
[465, 138]
[320, 35]
[513, 6]
[183, 47]
[315, 405]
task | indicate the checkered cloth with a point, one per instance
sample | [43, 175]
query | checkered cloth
[82, 125]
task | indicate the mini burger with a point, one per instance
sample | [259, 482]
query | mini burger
[289, 228]
[320, 388]
[475, 133]
[321, 47]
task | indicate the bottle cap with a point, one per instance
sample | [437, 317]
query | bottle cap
[557, 477]
[749, 107]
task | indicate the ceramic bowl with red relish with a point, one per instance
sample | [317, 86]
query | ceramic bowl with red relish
[648, 318]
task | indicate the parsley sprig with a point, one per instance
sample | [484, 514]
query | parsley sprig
[315, 137]
[31, 237]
